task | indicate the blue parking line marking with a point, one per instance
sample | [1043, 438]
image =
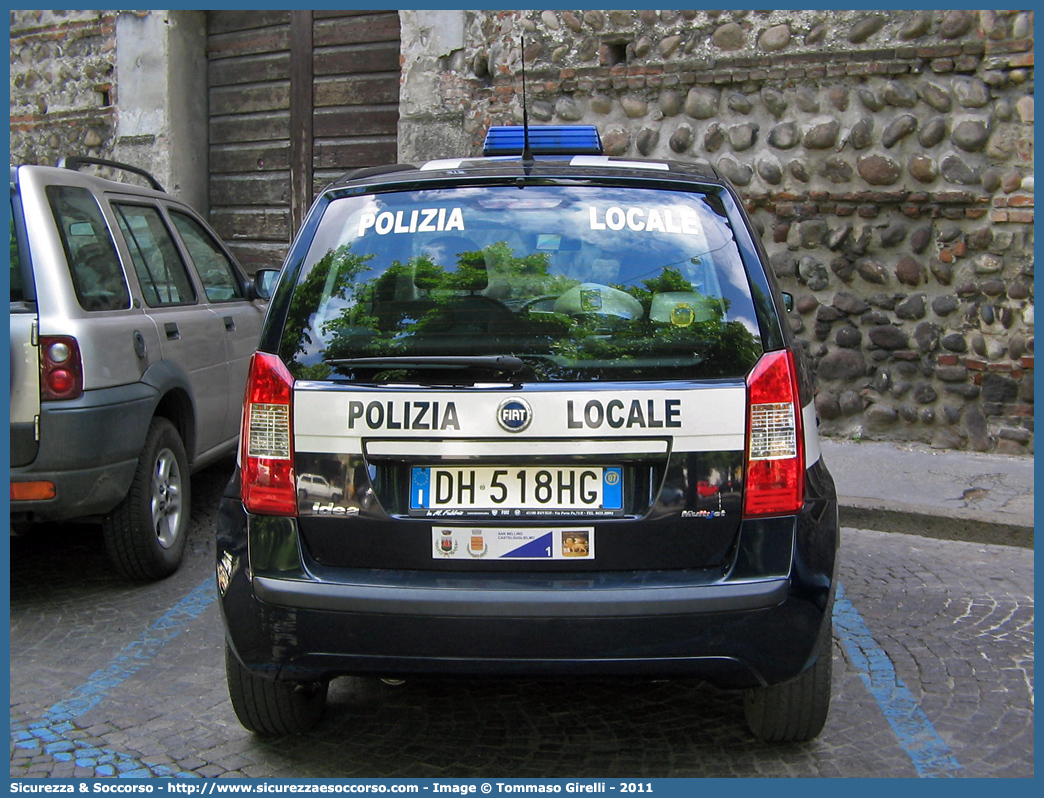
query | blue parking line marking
[53, 740]
[51, 733]
[134, 655]
[930, 755]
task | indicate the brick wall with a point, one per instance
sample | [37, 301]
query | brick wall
[62, 91]
[887, 160]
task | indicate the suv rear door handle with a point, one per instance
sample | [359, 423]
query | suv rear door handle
[171, 328]
[230, 324]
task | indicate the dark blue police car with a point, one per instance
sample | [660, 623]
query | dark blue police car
[566, 430]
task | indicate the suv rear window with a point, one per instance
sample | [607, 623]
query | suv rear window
[581, 283]
[96, 272]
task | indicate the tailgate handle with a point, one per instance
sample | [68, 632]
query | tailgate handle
[171, 328]
[230, 324]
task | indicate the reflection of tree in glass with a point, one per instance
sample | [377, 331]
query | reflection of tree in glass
[671, 280]
[508, 276]
[343, 267]
[523, 277]
[667, 280]
[710, 348]
[451, 306]
[716, 345]
[420, 308]
[502, 277]
[470, 275]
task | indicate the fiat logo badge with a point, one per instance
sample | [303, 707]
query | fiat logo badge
[514, 414]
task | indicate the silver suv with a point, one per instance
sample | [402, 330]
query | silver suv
[132, 327]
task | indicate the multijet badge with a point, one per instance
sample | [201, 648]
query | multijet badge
[514, 414]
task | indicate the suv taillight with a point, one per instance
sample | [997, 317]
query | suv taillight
[775, 479]
[61, 369]
[267, 439]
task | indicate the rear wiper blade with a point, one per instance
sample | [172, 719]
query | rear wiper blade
[504, 363]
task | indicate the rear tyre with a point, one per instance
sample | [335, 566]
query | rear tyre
[269, 707]
[794, 711]
[145, 535]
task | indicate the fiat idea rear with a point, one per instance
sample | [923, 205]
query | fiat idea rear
[564, 428]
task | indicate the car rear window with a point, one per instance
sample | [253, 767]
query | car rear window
[95, 267]
[581, 283]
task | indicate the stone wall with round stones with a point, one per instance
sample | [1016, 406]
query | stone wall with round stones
[886, 158]
[62, 88]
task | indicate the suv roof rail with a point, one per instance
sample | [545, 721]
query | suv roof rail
[74, 162]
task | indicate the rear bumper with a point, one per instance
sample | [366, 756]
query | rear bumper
[756, 623]
[89, 449]
[733, 635]
[541, 598]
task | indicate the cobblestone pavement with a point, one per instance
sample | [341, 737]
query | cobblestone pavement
[113, 679]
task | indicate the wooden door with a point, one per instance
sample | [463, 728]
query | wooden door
[297, 98]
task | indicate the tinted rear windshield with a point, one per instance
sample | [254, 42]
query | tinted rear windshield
[549, 283]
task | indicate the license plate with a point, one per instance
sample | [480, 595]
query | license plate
[513, 491]
[508, 543]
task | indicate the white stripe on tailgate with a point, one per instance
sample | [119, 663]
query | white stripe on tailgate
[696, 420]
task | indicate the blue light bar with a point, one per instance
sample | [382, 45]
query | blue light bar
[544, 140]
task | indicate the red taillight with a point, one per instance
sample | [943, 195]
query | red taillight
[775, 478]
[61, 369]
[267, 439]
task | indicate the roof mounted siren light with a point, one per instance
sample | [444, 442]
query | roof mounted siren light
[542, 139]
